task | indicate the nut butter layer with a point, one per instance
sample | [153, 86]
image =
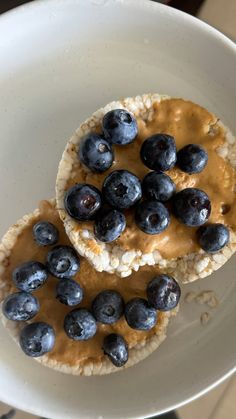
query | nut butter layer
[175, 250]
[84, 357]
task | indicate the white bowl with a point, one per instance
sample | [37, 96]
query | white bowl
[60, 61]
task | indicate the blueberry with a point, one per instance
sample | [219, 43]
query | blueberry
[109, 226]
[36, 339]
[139, 315]
[119, 127]
[116, 348]
[69, 292]
[163, 292]
[192, 158]
[82, 201]
[158, 186]
[122, 189]
[30, 276]
[152, 217]
[79, 324]
[45, 233]
[158, 152]
[63, 262]
[192, 207]
[213, 237]
[20, 306]
[96, 153]
[108, 307]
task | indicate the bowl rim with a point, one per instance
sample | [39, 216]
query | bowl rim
[145, 4]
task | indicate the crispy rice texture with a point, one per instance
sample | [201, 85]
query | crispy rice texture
[112, 258]
[99, 367]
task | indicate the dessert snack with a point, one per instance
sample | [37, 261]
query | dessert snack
[37, 302]
[196, 159]
[145, 190]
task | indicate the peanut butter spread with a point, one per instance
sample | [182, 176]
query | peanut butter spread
[187, 123]
[53, 312]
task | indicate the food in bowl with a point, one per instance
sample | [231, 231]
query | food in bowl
[160, 172]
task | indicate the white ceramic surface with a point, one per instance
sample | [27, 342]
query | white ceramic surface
[59, 61]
